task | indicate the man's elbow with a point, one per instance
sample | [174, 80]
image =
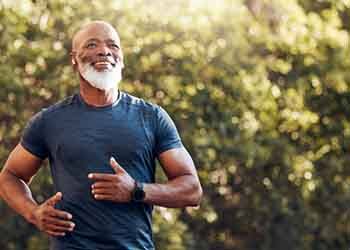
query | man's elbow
[1, 182]
[4, 177]
[196, 195]
[7, 175]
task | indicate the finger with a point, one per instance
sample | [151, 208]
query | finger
[58, 229]
[54, 199]
[103, 197]
[101, 177]
[53, 233]
[103, 191]
[102, 184]
[60, 214]
[116, 167]
[58, 222]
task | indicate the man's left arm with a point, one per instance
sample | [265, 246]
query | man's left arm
[182, 188]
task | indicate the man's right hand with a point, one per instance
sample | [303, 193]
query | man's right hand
[51, 220]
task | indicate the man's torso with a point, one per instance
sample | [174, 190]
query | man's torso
[80, 139]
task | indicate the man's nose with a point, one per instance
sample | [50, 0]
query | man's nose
[103, 50]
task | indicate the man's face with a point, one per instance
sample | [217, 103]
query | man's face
[98, 56]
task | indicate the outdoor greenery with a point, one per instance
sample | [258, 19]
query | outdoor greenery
[259, 90]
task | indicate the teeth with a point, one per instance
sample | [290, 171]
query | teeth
[102, 63]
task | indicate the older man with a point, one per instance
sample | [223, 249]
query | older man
[101, 144]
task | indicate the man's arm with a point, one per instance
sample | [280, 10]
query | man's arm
[15, 176]
[183, 187]
[18, 171]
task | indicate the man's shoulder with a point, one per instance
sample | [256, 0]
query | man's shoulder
[138, 102]
[59, 105]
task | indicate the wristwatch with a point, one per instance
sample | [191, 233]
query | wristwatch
[138, 194]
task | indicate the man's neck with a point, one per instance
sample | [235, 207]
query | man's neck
[96, 97]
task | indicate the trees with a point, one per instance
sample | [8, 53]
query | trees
[258, 90]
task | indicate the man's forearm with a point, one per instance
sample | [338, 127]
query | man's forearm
[17, 194]
[180, 192]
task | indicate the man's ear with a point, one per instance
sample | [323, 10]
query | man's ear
[121, 58]
[74, 64]
[73, 61]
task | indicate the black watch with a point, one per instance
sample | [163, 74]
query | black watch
[138, 194]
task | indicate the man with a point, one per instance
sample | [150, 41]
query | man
[101, 145]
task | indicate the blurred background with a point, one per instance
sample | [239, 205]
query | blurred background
[258, 89]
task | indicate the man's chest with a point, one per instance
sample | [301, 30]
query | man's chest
[92, 139]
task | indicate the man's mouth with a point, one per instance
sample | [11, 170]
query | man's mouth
[103, 63]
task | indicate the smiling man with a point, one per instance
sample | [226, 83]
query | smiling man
[102, 145]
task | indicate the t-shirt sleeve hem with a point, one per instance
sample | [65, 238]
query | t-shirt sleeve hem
[32, 150]
[169, 146]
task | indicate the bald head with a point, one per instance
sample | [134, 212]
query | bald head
[91, 29]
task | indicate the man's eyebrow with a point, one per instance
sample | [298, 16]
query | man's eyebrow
[112, 41]
[92, 40]
[107, 40]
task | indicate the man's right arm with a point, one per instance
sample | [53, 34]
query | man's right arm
[15, 176]
[18, 171]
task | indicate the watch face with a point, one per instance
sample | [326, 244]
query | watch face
[139, 193]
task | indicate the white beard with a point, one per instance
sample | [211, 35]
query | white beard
[104, 80]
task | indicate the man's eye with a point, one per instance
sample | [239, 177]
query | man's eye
[114, 46]
[91, 45]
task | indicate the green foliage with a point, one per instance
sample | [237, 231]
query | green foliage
[258, 89]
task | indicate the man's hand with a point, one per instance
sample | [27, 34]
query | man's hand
[113, 187]
[51, 220]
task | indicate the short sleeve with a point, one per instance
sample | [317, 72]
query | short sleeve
[33, 138]
[166, 135]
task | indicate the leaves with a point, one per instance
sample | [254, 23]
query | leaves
[258, 90]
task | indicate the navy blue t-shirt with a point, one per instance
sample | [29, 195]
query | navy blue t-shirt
[79, 139]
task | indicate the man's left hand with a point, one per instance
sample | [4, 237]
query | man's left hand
[116, 187]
